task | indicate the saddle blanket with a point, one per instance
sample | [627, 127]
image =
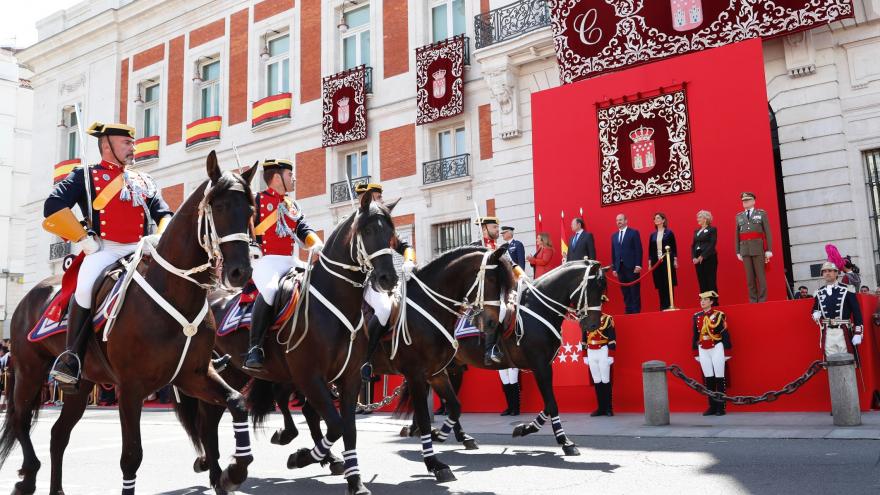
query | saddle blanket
[464, 328]
[52, 322]
[239, 314]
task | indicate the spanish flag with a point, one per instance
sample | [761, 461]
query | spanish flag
[271, 108]
[562, 235]
[63, 169]
[146, 148]
[202, 130]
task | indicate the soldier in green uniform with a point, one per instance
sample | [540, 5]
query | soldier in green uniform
[753, 246]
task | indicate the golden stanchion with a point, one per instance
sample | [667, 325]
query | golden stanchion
[94, 395]
[669, 279]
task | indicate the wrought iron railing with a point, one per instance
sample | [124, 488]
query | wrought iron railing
[341, 191]
[445, 169]
[58, 250]
[510, 21]
[368, 80]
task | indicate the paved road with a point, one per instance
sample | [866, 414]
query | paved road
[392, 465]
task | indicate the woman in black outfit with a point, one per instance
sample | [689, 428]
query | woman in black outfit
[703, 252]
[657, 250]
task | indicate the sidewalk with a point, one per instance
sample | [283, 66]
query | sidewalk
[682, 425]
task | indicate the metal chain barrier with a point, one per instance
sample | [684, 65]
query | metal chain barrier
[770, 396]
[384, 402]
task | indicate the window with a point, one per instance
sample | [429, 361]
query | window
[451, 142]
[872, 174]
[451, 235]
[447, 19]
[150, 110]
[357, 164]
[278, 65]
[209, 89]
[71, 140]
[356, 40]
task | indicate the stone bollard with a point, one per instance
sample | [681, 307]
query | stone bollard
[656, 393]
[844, 390]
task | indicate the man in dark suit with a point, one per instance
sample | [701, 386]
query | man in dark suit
[581, 244]
[515, 249]
[626, 262]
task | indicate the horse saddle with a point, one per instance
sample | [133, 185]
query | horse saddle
[240, 310]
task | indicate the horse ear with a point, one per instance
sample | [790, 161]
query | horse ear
[392, 204]
[248, 174]
[366, 199]
[213, 167]
[498, 253]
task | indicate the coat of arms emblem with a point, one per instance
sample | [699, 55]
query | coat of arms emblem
[438, 88]
[686, 14]
[343, 112]
[642, 151]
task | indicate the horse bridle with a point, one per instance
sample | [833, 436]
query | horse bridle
[358, 253]
[582, 308]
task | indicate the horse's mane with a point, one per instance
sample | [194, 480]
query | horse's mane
[228, 181]
[442, 262]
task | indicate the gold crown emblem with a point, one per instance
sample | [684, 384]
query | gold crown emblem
[641, 134]
[343, 101]
[440, 74]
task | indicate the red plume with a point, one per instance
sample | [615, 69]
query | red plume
[834, 256]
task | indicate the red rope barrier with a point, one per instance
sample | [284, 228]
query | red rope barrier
[644, 274]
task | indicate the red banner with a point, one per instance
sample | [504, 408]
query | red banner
[597, 36]
[345, 108]
[439, 81]
[645, 147]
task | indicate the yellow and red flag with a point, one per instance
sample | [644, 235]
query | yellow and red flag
[63, 169]
[203, 130]
[562, 234]
[146, 148]
[271, 108]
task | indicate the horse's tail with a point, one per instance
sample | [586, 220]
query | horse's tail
[260, 401]
[405, 405]
[187, 411]
[7, 431]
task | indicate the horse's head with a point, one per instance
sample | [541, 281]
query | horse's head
[228, 209]
[589, 303]
[497, 285]
[373, 233]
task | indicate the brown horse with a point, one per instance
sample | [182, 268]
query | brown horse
[573, 290]
[323, 345]
[212, 227]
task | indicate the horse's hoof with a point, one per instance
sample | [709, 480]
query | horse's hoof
[200, 465]
[444, 475]
[299, 459]
[414, 431]
[283, 437]
[358, 489]
[404, 432]
[519, 430]
[570, 449]
[435, 436]
[471, 444]
[337, 468]
[21, 489]
[226, 484]
[220, 491]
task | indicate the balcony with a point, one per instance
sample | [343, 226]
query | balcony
[453, 167]
[270, 110]
[58, 250]
[368, 80]
[203, 131]
[341, 192]
[510, 21]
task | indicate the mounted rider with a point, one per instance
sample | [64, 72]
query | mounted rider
[122, 201]
[278, 220]
[490, 230]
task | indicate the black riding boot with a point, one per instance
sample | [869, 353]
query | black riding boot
[507, 397]
[609, 411]
[720, 386]
[515, 395]
[493, 352]
[375, 331]
[68, 367]
[600, 400]
[261, 319]
[710, 384]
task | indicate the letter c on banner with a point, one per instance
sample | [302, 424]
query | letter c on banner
[585, 26]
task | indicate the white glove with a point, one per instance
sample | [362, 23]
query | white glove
[152, 239]
[89, 245]
[408, 267]
[857, 339]
[317, 247]
[739, 257]
[768, 255]
[816, 315]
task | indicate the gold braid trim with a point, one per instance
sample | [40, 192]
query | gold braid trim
[709, 326]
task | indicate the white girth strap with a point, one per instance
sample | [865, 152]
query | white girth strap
[538, 317]
[351, 328]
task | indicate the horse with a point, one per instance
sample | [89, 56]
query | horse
[322, 343]
[165, 311]
[574, 291]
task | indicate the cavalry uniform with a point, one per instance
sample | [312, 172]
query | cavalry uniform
[752, 243]
[710, 339]
[123, 202]
[837, 312]
[598, 345]
[278, 221]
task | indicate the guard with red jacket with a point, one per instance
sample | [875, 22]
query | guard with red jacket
[710, 340]
[120, 203]
[278, 220]
[599, 345]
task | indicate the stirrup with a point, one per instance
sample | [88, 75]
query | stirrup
[262, 358]
[494, 354]
[62, 377]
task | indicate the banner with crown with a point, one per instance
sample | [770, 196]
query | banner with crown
[439, 79]
[597, 36]
[345, 107]
[645, 146]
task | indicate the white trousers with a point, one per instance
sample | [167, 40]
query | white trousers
[380, 302]
[835, 342]
[509, 376]
[92, 267]
[712, 361]
[268, 271]
[600, 364]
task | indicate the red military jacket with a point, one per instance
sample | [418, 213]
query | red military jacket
[710, 328]
[271, 241]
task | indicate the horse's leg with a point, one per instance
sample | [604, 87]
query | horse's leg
[130, 407]
[208, 426]
[544, 378]
[349, 388]
[422, 418]
[27, 390]
[281, 393]
[443, 386]
[71, 413]
[313, 419]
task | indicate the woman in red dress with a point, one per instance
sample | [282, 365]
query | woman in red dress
[540, 261]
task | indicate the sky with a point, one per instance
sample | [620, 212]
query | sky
[18, 20]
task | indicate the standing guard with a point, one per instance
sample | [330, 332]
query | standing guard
[753, 246]
[711, 338]
[278, 220]
[117, 201]
[836, 310]
[598, 344]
